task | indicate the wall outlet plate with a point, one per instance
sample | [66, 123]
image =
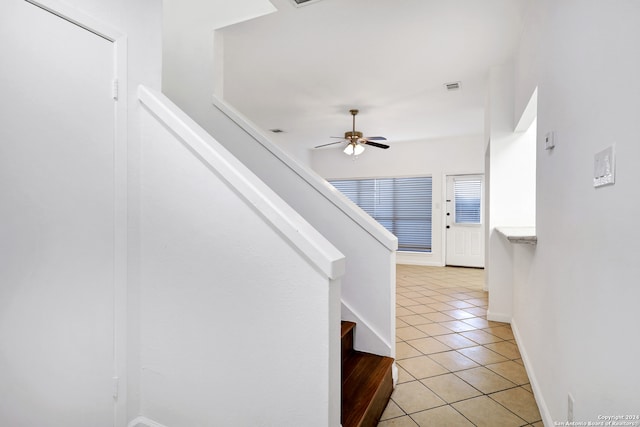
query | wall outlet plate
[604, 167]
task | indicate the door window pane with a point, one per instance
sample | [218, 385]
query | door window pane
[467, 195]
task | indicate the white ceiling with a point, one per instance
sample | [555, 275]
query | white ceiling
[301, 69]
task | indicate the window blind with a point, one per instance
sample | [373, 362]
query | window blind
[467, 195]
[401, 205]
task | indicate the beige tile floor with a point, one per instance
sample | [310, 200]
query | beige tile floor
[455, 367]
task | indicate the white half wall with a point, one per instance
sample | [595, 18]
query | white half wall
[368, 247]
[436, 158]
[576, 304]
[235, 319]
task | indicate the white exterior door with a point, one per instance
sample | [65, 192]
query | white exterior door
[56, 221]
[464, 221]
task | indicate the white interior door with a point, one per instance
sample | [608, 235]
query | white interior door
[464, 220]
[56, 221]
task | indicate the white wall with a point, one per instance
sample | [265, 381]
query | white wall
[513, 167]
[576, 293]
[192, 50]
[512, 187]
[235, 318]
[81, 202]
[435, 158]
[57, 221]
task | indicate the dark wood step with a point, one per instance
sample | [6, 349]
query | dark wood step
[347, 339]
[366, 383]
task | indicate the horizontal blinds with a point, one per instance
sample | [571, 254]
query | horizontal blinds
[401, 205]
[361, 192]
[467, 195]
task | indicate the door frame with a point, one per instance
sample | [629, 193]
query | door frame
[445, 177]
[121, 98]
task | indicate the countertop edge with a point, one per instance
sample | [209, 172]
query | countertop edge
[519, 235]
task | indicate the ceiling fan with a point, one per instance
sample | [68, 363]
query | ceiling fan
[355, 140]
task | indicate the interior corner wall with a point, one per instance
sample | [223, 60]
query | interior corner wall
[487, 184]
[190, 64]
[511, 157]
[436, 158]
[193, 56]
[576, 304]
[527, 61]
[498, 262]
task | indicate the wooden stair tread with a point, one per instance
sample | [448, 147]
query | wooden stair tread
[366, 387]
[346, 328]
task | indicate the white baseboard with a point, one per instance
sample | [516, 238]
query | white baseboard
[144, 422]
[367, 339]
[498, 317]
[417, 258]
[537, 393]
[394, 374]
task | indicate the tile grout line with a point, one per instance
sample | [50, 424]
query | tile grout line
[459, 295]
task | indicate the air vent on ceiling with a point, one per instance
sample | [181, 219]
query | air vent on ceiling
[452, 86]
[299, 3]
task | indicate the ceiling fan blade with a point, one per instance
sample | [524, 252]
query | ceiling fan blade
[375, 138]
[375, 144]
[331, 143]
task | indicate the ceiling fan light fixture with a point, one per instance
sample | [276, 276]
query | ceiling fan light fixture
[355, 141]
[353, 149]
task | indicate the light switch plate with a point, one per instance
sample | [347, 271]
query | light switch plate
[604, 167]
[549, 141]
